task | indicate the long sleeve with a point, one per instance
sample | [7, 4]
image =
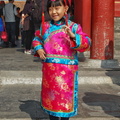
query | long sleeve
[82, 42]
[37, 41]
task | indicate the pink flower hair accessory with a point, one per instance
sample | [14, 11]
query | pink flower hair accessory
[53, 0]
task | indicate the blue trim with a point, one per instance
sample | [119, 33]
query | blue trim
[61, 61]
[38, 47]
[37, 38]
[77, 36]
[78, 40]
[58, 114]
[76, 93]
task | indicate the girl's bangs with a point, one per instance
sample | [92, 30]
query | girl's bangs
[54, 3]
[57, 3]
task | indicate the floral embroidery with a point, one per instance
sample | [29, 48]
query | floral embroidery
[63, 72]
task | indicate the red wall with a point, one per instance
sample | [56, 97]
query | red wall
[82, 14]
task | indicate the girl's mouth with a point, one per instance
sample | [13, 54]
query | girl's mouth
[54, 16]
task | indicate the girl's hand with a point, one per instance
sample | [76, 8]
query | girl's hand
[69, 32]
[41, 53]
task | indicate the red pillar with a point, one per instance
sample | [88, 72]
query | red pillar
[102, 29]
[82, 14]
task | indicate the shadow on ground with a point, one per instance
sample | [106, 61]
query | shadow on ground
[20, 50]
[32, 108]
[113, 68]
[103, 103]
[114, 73]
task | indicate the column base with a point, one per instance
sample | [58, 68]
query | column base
[93, 63]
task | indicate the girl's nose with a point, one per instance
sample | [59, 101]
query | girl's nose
[53, 10]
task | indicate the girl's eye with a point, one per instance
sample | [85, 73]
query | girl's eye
[57, 8]
[50, 9]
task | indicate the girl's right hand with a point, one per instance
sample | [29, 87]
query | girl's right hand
[68, 31]
[41, 53]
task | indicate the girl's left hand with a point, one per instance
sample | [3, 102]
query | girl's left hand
[69, 32]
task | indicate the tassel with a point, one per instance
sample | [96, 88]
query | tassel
[69, 2]
[65, 2]
[43, 18]
[43, 23]
[66, 16]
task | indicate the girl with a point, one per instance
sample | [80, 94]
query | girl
[57, 44]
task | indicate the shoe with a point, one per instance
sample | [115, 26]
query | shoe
[27, 52]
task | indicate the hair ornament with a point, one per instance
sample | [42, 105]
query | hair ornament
[53, 0]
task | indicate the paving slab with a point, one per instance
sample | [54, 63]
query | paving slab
[13, 59]
[86, 76]
[96, 102]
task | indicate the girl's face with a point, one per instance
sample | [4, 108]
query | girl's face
[57, 12]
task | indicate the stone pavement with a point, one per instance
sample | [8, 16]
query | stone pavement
[20, 80]
[96, 102]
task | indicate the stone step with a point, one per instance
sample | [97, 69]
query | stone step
[86, 76]
[117, 42]
[117, 52]
[117, 28]
[117, 47]
[117, 35]
[116, 39]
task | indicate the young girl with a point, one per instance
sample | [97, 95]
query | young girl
[58, 47]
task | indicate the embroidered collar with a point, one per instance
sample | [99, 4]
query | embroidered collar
[60, 22]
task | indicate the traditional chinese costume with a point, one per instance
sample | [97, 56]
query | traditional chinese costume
[59, 94]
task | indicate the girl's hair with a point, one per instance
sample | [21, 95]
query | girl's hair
[53, 3]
